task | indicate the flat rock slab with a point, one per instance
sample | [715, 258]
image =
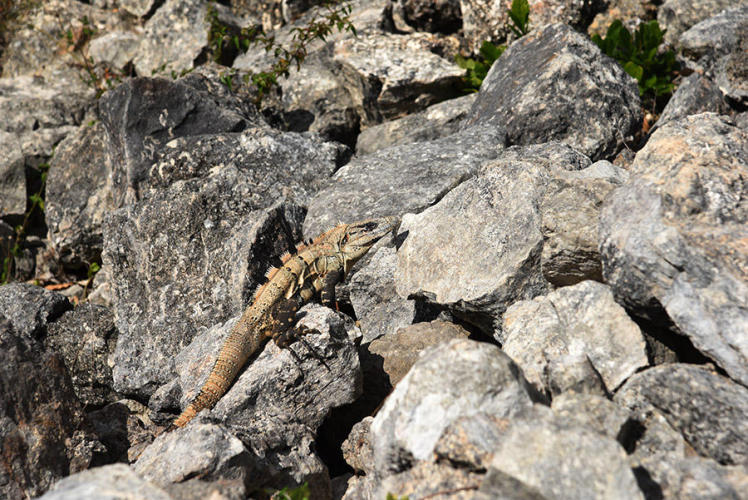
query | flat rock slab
[676, 16]
[576, 337]
[111, 482]
[708, 409]
[401, 179]
[673, 238]
[555, 84]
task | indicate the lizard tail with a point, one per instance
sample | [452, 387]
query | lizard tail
[237, 348]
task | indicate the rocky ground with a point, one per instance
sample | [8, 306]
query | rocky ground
[563, 312]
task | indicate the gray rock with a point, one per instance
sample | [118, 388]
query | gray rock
[40, 418]
[500, 486]
[676, 16]
[438, 120]
[426, 480]
[394, 75]
[196, 251]
[173, 38]
[12, 175]
[78, 195]
[570, 209]
[30, 308]
[206, 451]
[125, 429]
[707, 409]
[401, 179]
[559, 460]
[730, 73]
[696, 94]
[357, 449]
[631, 12]
[137, 8]
[143, 114]
[478, 250]
[115, 49]
[576, 13]
[448, 382]
[576, 337]
[484, 20]
[672, 237]
[379, 309]
[593, 412]
[111, 482]
[549, 83]
[715, 36]
[85, 338]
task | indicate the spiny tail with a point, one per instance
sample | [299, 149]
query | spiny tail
[243, 341]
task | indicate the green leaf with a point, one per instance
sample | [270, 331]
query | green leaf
[519, 13]
[633, 69]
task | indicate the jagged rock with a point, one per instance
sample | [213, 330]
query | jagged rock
[438, 120]
[12, 175]
[593, 412]
[714, 37]
[401, 349]
[357, 448]
[672, 238]
[448, 382]
[576, 13]
[379, 310]
[570, 209]
[115, 482]
[114, 49]
[696, 94]
[426, 479]
[478, 250]
[41, 44]
[575, 337]
[204, 451]
[143, 114]
[125, 429]
[277, 404]
[213, 252]
[441, 16]
[401, 179]
[393, 75]
[31, 308]
[676, 16]
[484, 20]
[41, 419]
[630, 12]
[560, 460]
[552, 80]
[730, 73]
[85, 339]
[78, 196]
[137, 8]
[173, 38]
[708, 409]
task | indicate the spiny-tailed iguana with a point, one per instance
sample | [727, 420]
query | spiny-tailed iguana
[316, 267]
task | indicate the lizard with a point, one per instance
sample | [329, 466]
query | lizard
[315, 268]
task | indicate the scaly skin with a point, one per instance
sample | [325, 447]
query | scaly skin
[314, 269]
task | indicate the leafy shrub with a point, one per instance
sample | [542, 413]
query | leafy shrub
[640, 56]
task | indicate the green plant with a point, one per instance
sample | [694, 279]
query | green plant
[93, 268]
[641, 57]
[519, 13]
[477, 69]
[298, 493]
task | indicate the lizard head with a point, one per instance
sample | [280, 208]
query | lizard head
[359, 237]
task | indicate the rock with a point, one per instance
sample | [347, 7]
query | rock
[139, 8]
[484, 20]
[357, 448]
[125, 429]
[575, 337]
[676, 16]
[429, 479]
[575, 13]
[442, 16]
[448, 382]
[78, 196]
[696, 94]
[715, 36]
[549, 82]
[85, 338]
[570, 209]
[41, 420]
[631, 12]
[379, 310]
[31, 308]
[401, 179]
[559, 460]
[478, 250]
[596, 413]
[115, 49]
[115, 482]
[204, 451]
[706, 408]
[673, 237]
[12, 175]
[393, 75]
[400, 350]
[196, 250]
[173, 38]
[730, 74]
[280, 400]
[438, 120]
[143, 114]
